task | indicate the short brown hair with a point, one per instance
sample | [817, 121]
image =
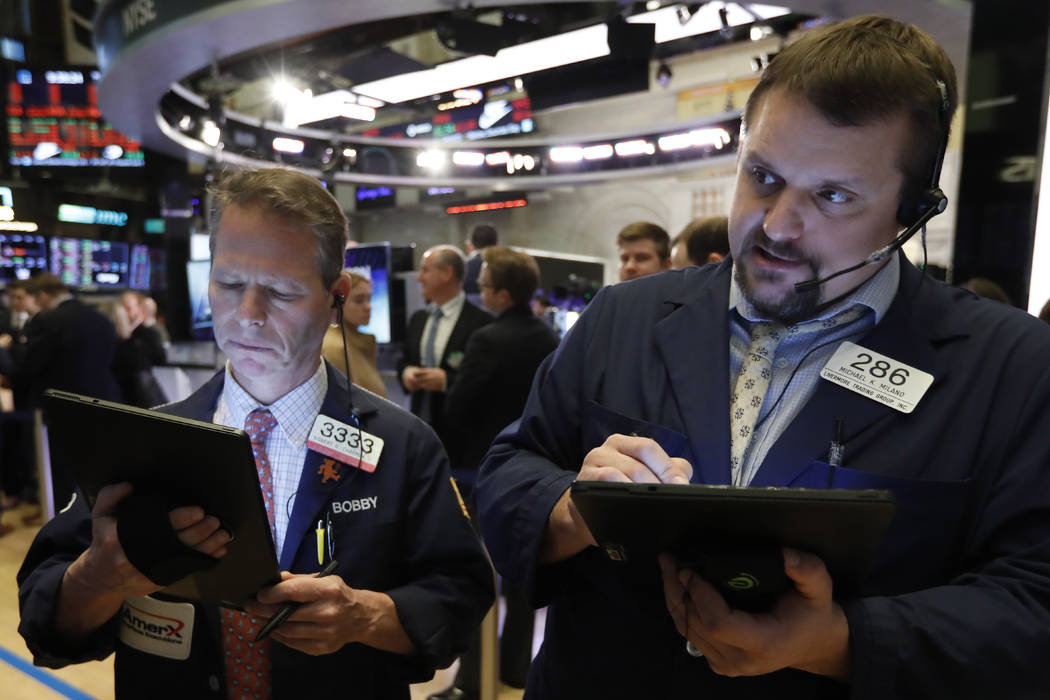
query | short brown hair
[703, 236]
[483, 236]
[47, 283]
[643, 230]
[293, 196]
[866, 69]
[514, 271]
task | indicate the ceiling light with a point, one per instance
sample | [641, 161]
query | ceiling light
[558, 50]
[497, 158]
[652, 5]
[112, 152]
[186, 122]
[349, 153]
[358, 111]
[599, 152]
[210, 133]
[45, 150]
[760, 31]
[287, 145]
[468, 158]
[284, 92]
[566, 154]
[433, 160]
[634, 147]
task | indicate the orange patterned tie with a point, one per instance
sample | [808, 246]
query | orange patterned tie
[248, 663]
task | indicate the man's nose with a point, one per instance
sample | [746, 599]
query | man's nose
[783, 220]
[252, 309]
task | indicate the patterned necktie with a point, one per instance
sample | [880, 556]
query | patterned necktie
[429, 351]
[750, 391]
[248, 663]
[753, 382]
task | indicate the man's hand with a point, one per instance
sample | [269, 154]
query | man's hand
[6, 340]
[410, 378]
[620, 458]
[101, 578]
[432, 379]
[806, 630]
[332, 615]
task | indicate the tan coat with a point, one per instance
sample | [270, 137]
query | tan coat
[362, 350]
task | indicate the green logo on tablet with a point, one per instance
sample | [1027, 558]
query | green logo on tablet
[742, 582]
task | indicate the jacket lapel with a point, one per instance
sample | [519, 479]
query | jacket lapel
[694, 343]
[314, 494]
[908, 335]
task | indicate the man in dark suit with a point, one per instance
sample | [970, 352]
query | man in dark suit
[489, 393]
[411, 579]
[482, 236]
[437, 337]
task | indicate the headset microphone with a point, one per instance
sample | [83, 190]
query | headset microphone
[337, 304]
[937, 203]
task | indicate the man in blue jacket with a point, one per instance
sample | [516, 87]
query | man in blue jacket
[412, 581]
[718, 376]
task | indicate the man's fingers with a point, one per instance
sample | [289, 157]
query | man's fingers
[809, 574]
[648, 454]
[108, 498]
[186, 516]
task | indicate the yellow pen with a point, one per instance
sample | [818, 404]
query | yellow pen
[320, 542]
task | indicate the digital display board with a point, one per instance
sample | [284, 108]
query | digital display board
[89, 263]
[373, 262]
[468, 120]
[21, 255]
[53, 119]
[139, 268]
[197, 272]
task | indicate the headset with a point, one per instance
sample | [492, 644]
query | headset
[337, 303]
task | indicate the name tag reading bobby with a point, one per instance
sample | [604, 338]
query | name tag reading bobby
[876, 376]
[346, 443]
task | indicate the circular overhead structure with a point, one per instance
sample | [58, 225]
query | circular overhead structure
[148, 48]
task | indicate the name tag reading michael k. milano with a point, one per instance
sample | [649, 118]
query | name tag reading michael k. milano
[876, 376]
[345, 443]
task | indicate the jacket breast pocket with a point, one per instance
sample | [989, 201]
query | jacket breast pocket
[922, 544]
[600, 422]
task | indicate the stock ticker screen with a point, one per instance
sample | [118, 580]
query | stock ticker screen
[21, 255]
[53, 119]
[90, 263]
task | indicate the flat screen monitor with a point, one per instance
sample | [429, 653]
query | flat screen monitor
[373, 261]
[199, 246]
[158, 269]
[139, 268]
[53, 120]
[200, 308]
[21, 256]
[89, 263]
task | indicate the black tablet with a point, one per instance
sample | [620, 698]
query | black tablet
[733, 535]
[190, 462]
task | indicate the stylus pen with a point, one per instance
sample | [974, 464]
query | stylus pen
[284, 613]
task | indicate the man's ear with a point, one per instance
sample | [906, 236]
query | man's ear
[666, 263]
[339, 290]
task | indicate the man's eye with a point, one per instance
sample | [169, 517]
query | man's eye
[761, 177]
[834, 196]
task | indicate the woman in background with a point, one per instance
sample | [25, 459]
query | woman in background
[361, 347]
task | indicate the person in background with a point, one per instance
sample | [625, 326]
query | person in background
[481, 237]
[488, 394]
[150, 320]
[410, 581]
[702, 241]
[361, 347]
[436, 339]
[989, 289]
[140, 349]
[644, 249]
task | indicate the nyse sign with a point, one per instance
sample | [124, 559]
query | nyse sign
[137, 15]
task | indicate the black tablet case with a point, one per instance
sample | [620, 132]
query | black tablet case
[724, 526]
[192, 462]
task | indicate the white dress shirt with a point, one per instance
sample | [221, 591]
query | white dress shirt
[286, 444]
[450, 311]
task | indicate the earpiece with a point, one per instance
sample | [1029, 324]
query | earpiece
[913, 206]
[338, 300]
